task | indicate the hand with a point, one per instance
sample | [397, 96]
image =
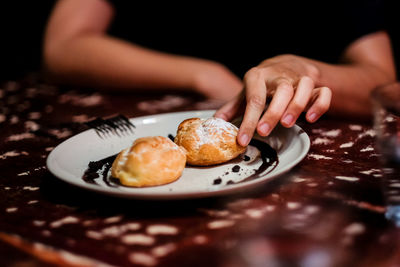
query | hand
[215, 81]
[291, 82]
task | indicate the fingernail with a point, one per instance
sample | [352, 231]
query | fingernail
[312, 117]
[244, 139]
[264, 128]
[288, 119]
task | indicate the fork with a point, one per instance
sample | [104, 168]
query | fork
[116, 125]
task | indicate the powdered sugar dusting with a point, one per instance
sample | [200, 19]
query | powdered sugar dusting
[211, 130]
[124, 157]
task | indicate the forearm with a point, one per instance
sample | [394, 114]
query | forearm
[108, 62]
[368, 63]
[351, 85]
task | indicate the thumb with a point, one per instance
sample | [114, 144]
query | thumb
[232, 108]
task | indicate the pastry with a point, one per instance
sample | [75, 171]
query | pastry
[208, 141]
[149, 161]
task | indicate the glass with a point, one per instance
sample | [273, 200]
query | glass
[386, 107]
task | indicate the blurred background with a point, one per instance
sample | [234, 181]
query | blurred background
[23, 22]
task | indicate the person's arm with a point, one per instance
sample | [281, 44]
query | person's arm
[368, 63]
[299, 84]
[77, 49]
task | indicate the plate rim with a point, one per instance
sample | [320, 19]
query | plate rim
[246, 186]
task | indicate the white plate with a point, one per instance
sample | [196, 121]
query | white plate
[69, 160]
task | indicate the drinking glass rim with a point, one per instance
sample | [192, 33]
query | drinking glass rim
[388, 97]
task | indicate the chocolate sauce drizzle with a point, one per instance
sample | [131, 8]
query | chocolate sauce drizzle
[99, 168]
[171, 137]
[236, 168]
[268, 155]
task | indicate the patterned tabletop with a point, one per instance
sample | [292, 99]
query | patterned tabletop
[327, 211]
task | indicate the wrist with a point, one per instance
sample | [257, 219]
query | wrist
[214, 80]
[202, 72]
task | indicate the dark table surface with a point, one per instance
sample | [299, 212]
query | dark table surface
[327, 211]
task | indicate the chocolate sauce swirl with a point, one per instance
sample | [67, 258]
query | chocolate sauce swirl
[99, 168]
[269, 157]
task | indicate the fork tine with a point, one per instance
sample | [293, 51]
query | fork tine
[104, 129]
[121, 123]
[126, 123]
[96, 125]
[116, 125]
[111, 126]
[115, 121]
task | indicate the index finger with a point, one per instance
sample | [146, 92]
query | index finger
[256, 95]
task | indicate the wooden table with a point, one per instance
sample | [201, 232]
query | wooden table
[327, 211]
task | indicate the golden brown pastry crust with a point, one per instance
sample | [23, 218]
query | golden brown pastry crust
[208, 141]
[150, 161]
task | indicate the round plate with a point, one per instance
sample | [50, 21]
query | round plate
[69, 160]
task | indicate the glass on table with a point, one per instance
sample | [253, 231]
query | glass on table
[386, 110]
